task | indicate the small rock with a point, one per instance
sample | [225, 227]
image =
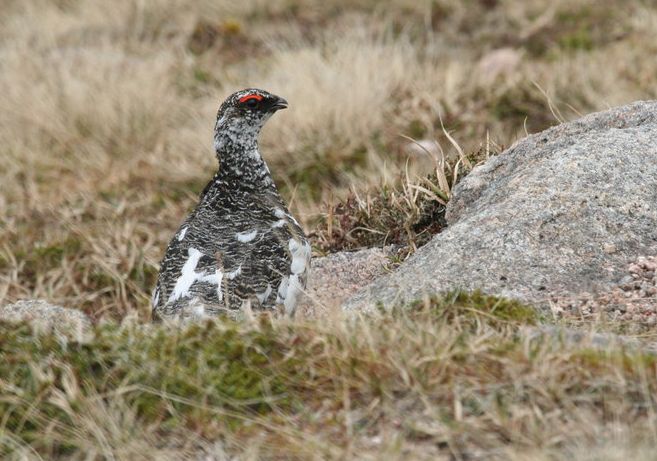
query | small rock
[335, 277]
[424, 148]
[44, 317]
[502, 61]
[625, 282]
[634, 268]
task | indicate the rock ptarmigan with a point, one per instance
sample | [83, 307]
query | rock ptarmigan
[240, 248]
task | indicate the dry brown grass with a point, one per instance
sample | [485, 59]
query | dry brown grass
[106, 110]
[460, 378]
[106, 113]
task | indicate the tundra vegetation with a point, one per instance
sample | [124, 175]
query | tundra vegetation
[106, 115]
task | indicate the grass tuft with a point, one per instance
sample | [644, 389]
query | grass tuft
[479, 307]
[384, 216]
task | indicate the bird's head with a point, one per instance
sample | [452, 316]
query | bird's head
[243, 114]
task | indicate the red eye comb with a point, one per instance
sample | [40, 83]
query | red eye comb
[248, 97]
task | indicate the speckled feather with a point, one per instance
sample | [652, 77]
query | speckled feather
[240, 246]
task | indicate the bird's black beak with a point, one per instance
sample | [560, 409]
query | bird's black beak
[276, 104]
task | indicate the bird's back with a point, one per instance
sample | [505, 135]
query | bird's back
[237, 248]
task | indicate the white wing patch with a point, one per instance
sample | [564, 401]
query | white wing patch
[198, 310]
[282, 218]
[182, 234]
[300, 255]
[156, 297]
[189, 276]
[245, 237]
[282, 290]
[292, 286]
[220, 277]
[262, 297]
[211, 278]
[293, 291]
[235, 273]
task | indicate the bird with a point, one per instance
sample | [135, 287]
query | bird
[240, 249]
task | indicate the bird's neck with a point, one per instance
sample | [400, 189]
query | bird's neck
[240, 164]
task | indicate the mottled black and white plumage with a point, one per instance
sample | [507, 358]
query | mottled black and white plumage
[240, 248]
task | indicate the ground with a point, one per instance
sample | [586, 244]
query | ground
[461, 377]
[105, 143]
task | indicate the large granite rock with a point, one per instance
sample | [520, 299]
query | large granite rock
[559, 213]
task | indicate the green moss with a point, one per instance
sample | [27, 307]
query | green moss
[232, 27]
[628, 360]
[198, 373]
[577, 28]
[43, 258]
[143, 275]
[53, 254]
[99, 279]
[522, 105]
[578, 40]
[575, 16]
[476, 306]
[416, 129]
[202, 76]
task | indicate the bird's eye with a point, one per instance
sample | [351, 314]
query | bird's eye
[250, 100]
